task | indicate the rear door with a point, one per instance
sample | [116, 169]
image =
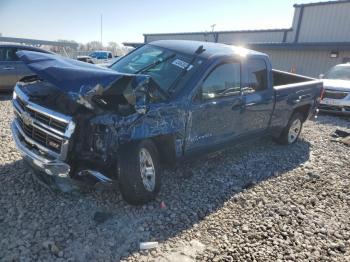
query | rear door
[8, 67]
[257, 97]
[214, 113]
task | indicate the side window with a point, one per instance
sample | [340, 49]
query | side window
[8, 54]
[110, 55]
[256, 76]
[224, 80]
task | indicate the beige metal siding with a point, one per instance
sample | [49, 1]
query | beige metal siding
[306, 62]
[326, 23]
[224, 37]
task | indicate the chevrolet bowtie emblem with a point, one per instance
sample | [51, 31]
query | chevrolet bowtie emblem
[26, 118]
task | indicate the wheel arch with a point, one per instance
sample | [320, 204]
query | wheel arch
[304, 110]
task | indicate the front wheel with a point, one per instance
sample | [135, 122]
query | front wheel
[292, 131]
[139, 172]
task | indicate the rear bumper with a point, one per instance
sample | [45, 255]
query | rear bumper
[37, 160]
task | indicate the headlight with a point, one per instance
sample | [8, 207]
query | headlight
[14, 95]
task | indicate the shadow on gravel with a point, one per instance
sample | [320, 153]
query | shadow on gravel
[334, 120]
[5, 96]
[97, 224]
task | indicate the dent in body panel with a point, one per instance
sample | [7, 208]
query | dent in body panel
[159, 120]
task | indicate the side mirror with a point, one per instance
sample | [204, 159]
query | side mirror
[321, 76]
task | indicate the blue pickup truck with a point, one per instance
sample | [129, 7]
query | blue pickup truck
[165, 101]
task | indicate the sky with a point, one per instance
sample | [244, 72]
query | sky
[128, 20]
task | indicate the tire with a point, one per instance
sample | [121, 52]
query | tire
[291, 132]
[137, 187]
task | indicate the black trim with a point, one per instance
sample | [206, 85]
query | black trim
[285, 36]
[300, 18]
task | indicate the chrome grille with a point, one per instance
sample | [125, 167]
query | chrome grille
[45, 119]
[39, 136]
[42, 128]
[334, 94]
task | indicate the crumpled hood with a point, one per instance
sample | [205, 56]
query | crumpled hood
[341, 85]
[80, 80]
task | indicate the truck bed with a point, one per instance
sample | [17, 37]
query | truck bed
[293, 91]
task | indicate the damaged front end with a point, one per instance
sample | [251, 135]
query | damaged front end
[70, 117]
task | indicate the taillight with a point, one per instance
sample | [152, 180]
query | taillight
[322, 94]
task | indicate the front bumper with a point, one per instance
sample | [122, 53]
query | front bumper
[335, 102]
[336, 107]
[38, 160]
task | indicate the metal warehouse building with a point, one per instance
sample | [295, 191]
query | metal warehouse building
[318, 39]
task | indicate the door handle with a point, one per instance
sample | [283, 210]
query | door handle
[9, 68]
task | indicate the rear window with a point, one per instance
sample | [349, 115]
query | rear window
[256, 75]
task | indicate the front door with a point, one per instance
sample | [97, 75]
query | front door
[214, 113]
[8, 67]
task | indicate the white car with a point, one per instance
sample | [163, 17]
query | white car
[336, 96]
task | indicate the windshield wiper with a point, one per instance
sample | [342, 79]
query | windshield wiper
[199, 50]
[155, 63]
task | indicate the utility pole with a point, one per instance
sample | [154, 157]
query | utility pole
[215, 35]
[101, 31]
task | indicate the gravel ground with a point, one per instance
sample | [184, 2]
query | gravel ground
[254, 202]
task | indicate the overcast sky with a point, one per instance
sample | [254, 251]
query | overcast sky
[127, 21]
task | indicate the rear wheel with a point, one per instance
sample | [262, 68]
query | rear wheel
[139, 172]
[292, 131]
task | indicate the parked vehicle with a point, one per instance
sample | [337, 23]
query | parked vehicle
[110, 62]
[336, 97]
[86, 59]
[11, 68]
[100, 57]
[163, 102]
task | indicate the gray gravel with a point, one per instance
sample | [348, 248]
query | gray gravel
[254, 202]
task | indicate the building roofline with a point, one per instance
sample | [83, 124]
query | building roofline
[278, 30]
[37, 42]
[322, 3]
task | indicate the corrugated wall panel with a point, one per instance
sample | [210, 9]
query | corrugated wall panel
[326, 23]
[307, 62]
[251, 37]
[224, 37]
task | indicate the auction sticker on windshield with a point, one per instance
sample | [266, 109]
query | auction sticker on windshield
[181, 64]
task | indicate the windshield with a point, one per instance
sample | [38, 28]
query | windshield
[163, 65]
[339, 72]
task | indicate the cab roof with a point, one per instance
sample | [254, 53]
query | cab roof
[211, 49]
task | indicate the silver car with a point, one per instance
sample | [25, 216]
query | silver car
[11, 68]
[336, 96]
